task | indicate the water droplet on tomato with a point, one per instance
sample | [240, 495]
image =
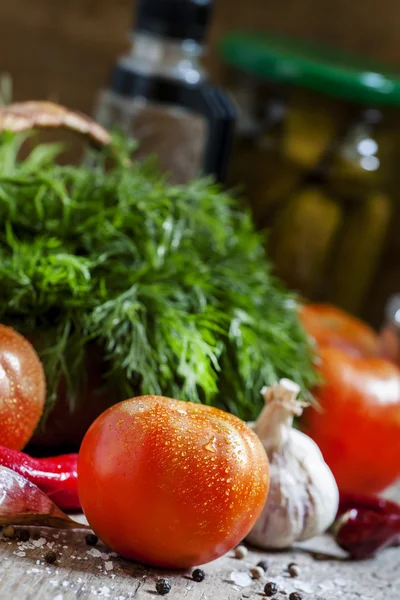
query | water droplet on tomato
[210, 446]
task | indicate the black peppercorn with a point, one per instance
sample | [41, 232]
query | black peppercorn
[198, 575]
[23, 535]
[270, 589]
[50, 557]
[163, 587]
[263, 564]
[295, 596]
[91, 539]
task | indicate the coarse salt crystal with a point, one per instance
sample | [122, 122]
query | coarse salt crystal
[65, 583]
[94, 552]
[105, 556]
[241, 578]
[326, 585]
[303, 586]
[104, 591]
[39, 543]
[20, 553]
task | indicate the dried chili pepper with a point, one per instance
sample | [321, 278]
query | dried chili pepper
[362, 502]
[57, 477]
[366, 524]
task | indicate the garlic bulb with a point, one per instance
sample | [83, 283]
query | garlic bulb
[303, 497]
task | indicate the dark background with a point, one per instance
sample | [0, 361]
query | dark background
[64, 49]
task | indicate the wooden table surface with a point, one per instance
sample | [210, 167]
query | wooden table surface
[85, 572]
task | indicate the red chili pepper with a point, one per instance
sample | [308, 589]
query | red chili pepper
[366, 524]
[374, 503]
[57, 477]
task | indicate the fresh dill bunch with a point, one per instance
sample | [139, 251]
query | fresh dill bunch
[170, 282]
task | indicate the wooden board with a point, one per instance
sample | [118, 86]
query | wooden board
[84, 572]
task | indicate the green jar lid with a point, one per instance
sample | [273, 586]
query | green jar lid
[322, 69]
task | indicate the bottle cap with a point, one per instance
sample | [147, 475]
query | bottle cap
[177, 19]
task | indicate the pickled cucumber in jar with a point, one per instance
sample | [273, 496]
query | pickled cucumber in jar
[302, 238]
[358, 249]
[312, 125]
[364, 158]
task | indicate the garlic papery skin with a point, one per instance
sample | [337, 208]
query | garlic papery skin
[303, 497]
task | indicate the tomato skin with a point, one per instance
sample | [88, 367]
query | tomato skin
[22, 389]
[358, 426]
[171, 483]
[330, 326]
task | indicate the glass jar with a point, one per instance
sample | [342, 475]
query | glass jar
[316, 154]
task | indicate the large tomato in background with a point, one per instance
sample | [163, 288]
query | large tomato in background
[357, 425]
[331, 326]
[22, 389]
[171, 483]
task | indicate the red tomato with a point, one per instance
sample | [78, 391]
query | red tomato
[22, 389]
[330, 326]
[358, 426]
[171, 483]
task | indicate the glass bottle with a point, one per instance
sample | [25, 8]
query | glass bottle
[161, 95]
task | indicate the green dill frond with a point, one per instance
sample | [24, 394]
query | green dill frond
[171, 282]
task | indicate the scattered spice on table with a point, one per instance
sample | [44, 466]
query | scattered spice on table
[198, 575]
[241, 552]
[23, 535]
[270, 589]
[257, 572]
[294, 570]
[263, 564]
[163, 587]
[50, 557]
[91, 539]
